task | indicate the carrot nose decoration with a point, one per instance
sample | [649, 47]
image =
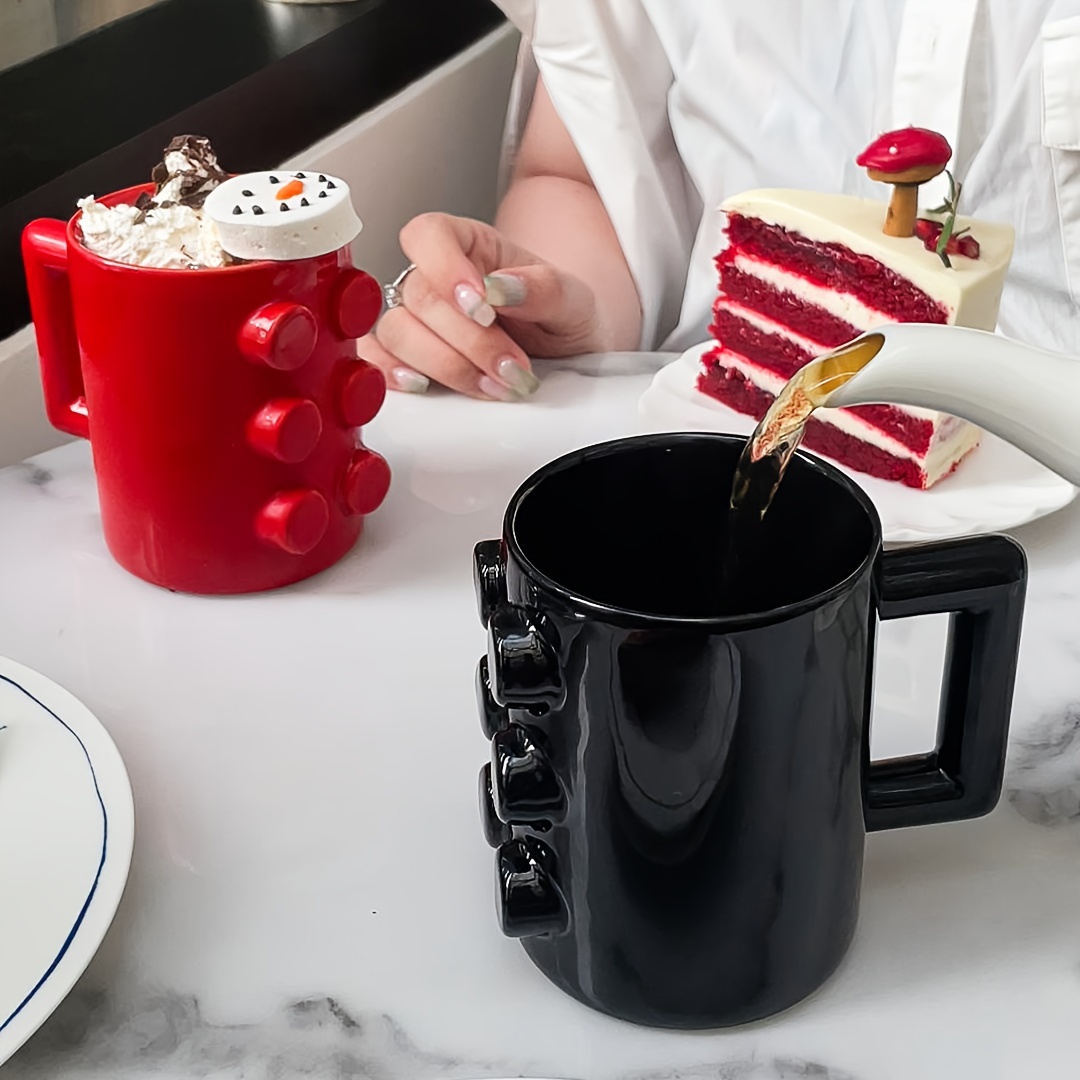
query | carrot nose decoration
[287, 191]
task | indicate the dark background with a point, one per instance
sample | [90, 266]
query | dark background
[262, 80]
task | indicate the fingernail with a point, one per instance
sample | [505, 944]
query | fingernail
[474, 305]
[504, 290]
[409, 381]
[516, 377]
[496, 390]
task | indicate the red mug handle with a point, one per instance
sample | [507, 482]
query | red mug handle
[45, 256]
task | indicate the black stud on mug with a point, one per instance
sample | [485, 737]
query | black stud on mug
[681, 798]
[493, 716]
[488, 578]
[523, 668]
[530, 902]
[525, 789]
[496, 831]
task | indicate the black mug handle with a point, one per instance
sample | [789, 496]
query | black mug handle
[981, 582]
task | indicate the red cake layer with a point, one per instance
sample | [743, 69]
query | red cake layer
[783, 357]
[771, 351]
[836, 267]
[783, 307]
[733, 390]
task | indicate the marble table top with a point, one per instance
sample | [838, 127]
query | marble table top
[311, 894]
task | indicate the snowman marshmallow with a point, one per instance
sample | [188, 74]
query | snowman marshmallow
[282, 215]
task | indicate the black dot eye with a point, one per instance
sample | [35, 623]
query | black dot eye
[331, 184]
[300, 176]
[237, 210]
[274, 180]
[322, 179]
[284, 206]
[247, 194]
[256, 209]
[322, 194]
[304, 202]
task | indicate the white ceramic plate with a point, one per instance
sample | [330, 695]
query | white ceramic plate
[66, 830]
[998, 487]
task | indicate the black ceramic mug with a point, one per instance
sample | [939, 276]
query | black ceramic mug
[680, 800]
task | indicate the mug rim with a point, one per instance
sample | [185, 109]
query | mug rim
[615, 613]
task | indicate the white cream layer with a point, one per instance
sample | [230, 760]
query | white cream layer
[970, 290]
[951, 441]
[838, 304]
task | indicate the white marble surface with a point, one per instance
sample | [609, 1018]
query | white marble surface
[311, 894]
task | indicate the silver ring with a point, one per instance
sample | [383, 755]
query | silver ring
[393, 293]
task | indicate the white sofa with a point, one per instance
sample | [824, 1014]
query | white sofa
[435, 146]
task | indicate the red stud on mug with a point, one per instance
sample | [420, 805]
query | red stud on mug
[366, 482]
[294, 521]
[281, 335]
[361, 394]
[355, 303]
[286, 429]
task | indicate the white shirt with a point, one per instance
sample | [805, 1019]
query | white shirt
[676, 104]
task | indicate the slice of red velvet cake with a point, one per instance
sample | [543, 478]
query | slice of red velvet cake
[803, 273]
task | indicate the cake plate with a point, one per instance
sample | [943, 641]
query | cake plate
[66, 833]
[998, 487]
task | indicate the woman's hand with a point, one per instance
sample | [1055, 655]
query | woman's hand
[474, 310]
[482, 300]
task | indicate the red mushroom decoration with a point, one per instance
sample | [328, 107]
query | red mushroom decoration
[905, 158]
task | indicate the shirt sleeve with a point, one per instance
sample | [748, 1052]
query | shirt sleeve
[609, 78]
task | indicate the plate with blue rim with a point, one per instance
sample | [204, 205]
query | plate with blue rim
[67, 826]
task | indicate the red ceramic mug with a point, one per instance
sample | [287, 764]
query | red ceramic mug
[221, 406]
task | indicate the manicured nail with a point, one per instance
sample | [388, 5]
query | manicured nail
[496, 390]
[504, 290]
[516, 377]
[409, 381]
[474, 305]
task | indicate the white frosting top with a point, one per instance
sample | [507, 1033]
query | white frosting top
[282, 215]
[173, 237]
[970, 290]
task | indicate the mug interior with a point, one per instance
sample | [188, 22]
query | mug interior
[640, 526]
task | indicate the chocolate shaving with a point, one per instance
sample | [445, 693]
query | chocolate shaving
[197, 149]
[195, 200]
[198, 177]
[144, 204]
[195, 173]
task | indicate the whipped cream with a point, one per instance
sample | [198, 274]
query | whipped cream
[167, 229]
[175, 237]
[188, 173]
